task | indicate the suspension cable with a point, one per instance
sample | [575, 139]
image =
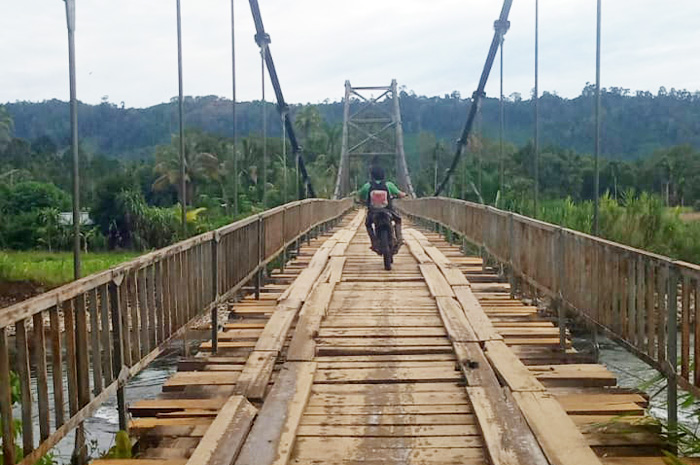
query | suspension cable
[262, 37]
[264, 125]
[501, 27]
[501, 117]
[233, 109]
[536, 98]
[284, 158]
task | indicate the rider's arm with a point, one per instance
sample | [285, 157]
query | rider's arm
[395, 191]
[362, 193]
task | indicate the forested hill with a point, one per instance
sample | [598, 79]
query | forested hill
[635, 124]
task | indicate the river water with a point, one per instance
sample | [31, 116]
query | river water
[101, 428]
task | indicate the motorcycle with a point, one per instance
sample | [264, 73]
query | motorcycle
[385, 232]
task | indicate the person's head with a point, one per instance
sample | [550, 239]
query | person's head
[377, 173]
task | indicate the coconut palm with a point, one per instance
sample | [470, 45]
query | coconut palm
[199, 166]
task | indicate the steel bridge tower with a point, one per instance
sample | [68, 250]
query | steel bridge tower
[372, 130]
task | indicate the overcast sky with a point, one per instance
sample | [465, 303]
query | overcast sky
[126, 49]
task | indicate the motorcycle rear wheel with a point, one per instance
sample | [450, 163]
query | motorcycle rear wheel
[385, 246]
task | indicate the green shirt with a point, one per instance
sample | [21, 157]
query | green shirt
[364, 191]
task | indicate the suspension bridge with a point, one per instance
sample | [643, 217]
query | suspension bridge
[461, 354]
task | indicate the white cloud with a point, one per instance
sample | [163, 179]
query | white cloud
[127, 48]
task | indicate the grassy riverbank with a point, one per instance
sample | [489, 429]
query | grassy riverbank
[52, 269]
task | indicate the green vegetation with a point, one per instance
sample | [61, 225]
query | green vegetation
[130, 183]
[54, 268]
[637, 220]
[636, 123]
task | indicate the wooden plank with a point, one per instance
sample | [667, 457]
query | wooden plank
[558, 436]
[479, 321]
[346, 447]
[336, 265]
[153, 406]
[194, 378]
[439, 287]
[95, 349]
[456, 323]
[273, 434]
[143, 311]
[383, 341]
[151, 304]
[105, 335]
[509, 368]
[401, 399]
[224, 438]
[159, 303]
[25, 379]
[383, 332]
[395, 419]
[406, 431]
[132, 320]
[390, 388]
[475, 368]
[256, 374]
[578, 375]
[415, 248]
[42, 377]
[71, 359]
[302, 285]
[275, 332]
[82, 352]
[388, 375]
[387, 358]
[56, 366]
[8, 425]
[303, 346]
[452, 273]
[508, 439]
[685, 328]
[324, 412]
[395, 455]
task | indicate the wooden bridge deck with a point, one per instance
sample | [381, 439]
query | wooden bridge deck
[341, 362]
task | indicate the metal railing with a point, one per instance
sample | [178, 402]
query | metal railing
[647, 302]
[101, 330]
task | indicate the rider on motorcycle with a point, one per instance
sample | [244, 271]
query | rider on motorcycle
[377, 194]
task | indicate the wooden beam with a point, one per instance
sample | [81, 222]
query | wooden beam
[224, 438]
[272, 437]
[560, 438]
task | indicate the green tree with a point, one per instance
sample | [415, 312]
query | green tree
[199, 166]
[6, 127]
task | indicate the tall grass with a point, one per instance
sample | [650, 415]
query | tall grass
[54, 268]
[637, 220]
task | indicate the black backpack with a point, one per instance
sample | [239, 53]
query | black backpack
[376, 192]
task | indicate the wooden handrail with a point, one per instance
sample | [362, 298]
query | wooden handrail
[644, 300]
[106, 327]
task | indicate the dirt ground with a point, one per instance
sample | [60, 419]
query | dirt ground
[11, 293]
[693, 216]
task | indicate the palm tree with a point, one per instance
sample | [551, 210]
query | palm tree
[198, 166]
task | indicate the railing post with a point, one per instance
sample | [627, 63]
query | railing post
[558, 279]
[216, 292]
[672, 355]
[118, 347]
[511, 238]
[8, 426]
[284, 239]
[258, 275]
[483, 248]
